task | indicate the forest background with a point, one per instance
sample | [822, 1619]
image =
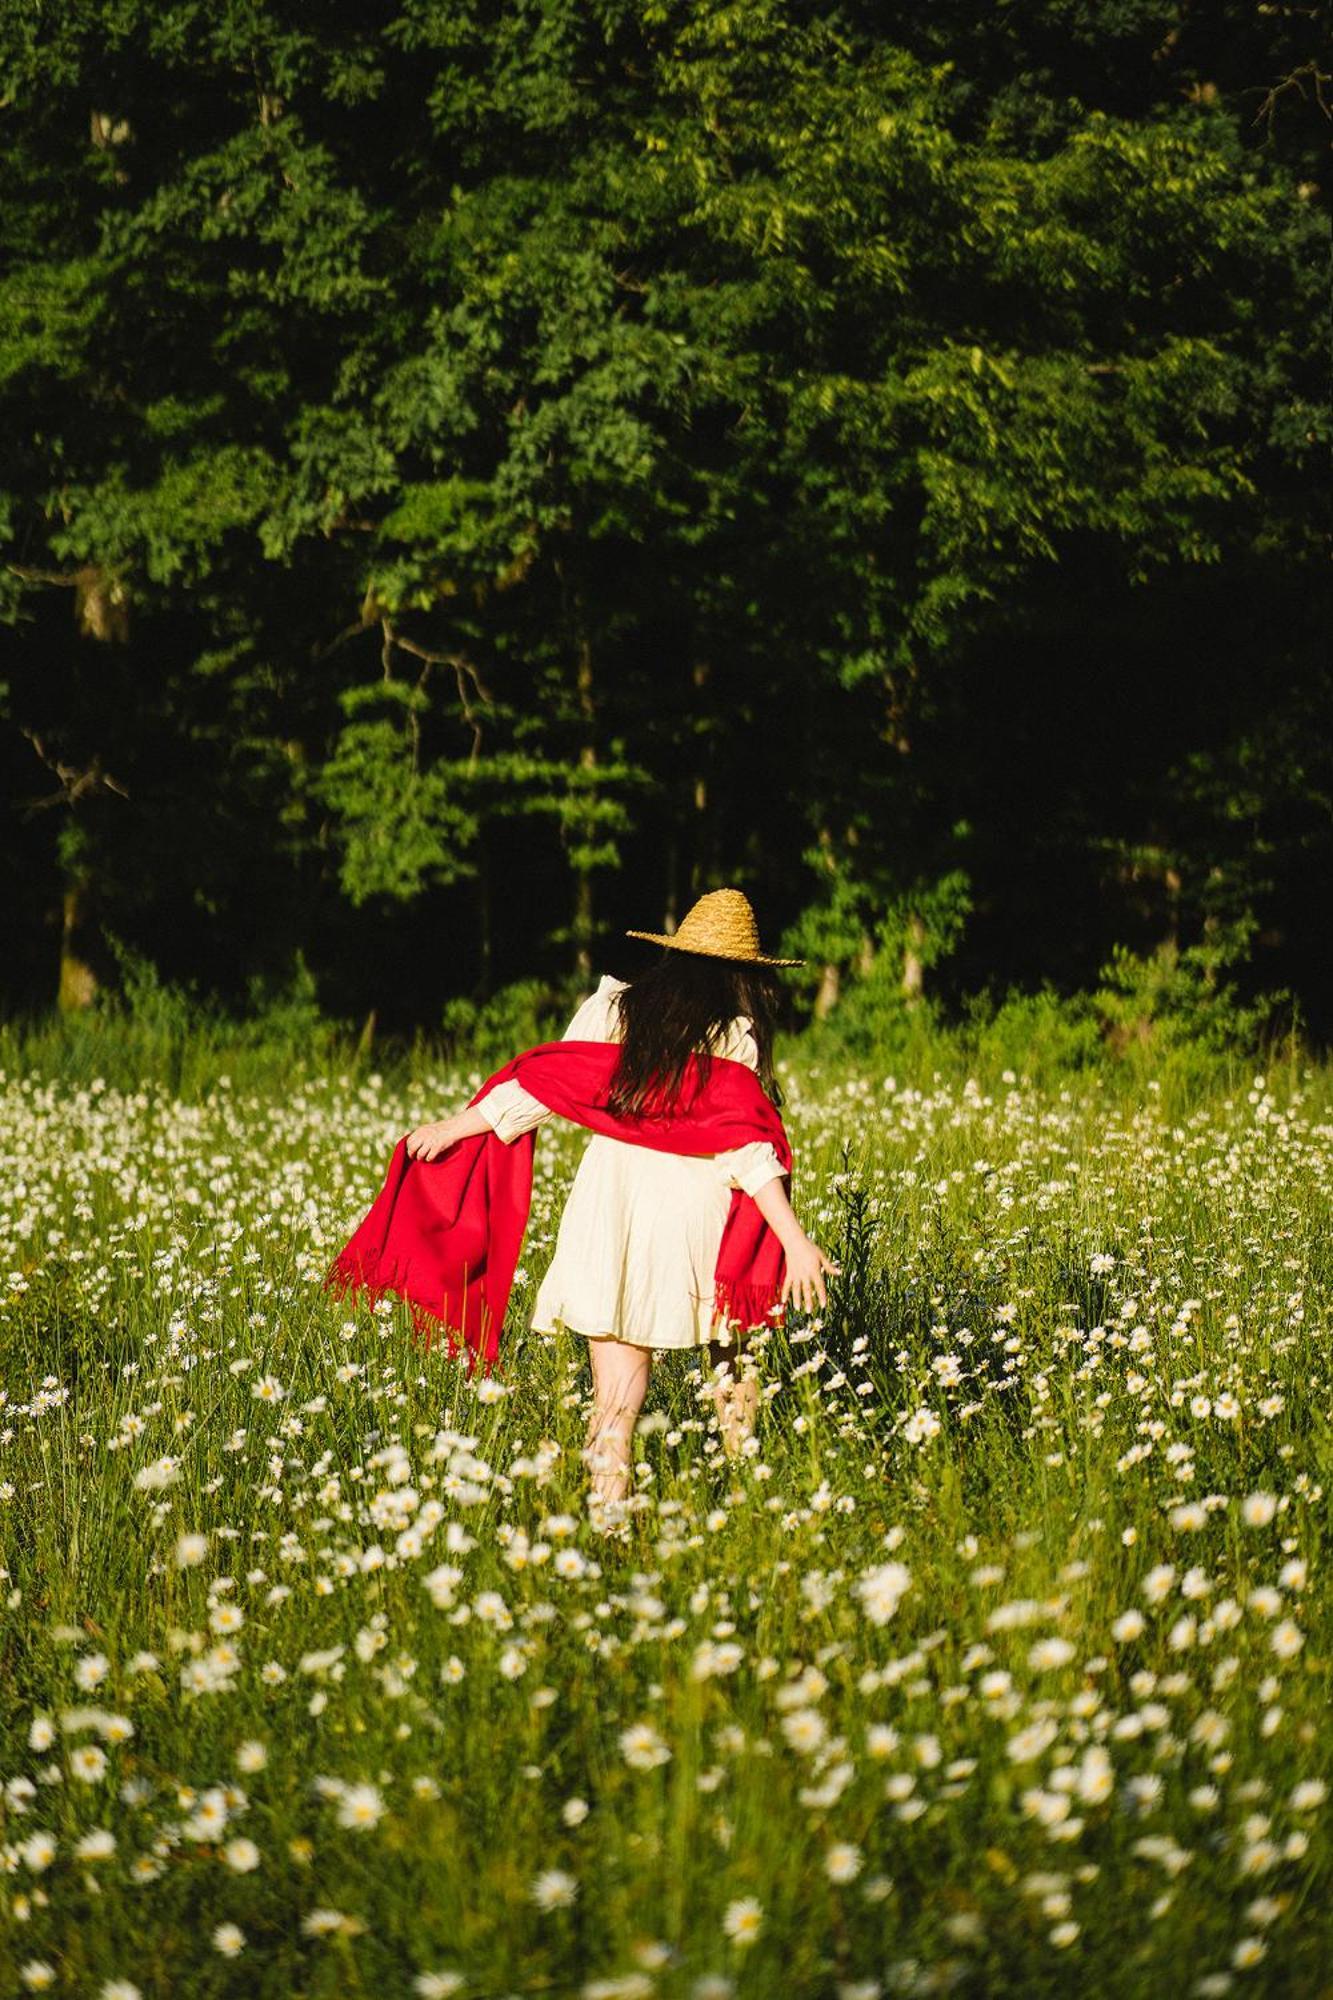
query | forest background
[476, 476]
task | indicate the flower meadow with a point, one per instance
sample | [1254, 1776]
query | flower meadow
[995, 1664]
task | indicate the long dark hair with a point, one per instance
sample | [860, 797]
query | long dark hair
[678, 1008]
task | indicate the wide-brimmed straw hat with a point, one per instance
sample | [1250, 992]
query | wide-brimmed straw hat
[720, 925]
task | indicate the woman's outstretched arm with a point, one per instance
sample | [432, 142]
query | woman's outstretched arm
[512, 1109]
[806, 1262]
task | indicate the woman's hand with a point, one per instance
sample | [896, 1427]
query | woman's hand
[429, 1141]
[806, 1265]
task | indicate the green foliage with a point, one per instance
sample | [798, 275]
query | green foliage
[400, 827]
[145, 1006]
[151, 1032]
[516, 1017]
[1175, 997]
[172, 531]
[288, 1012]
[600, 415]
[1044, 1036]
[877, 1014]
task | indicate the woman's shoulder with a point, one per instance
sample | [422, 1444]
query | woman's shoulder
[738, 1043]
[594, 1018]
[603, 1000]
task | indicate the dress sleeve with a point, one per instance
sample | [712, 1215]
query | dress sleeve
[510, 1109]
[749, 1167]
[596, 1018]
[752, 1166]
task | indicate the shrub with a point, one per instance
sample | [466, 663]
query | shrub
[513, 1018]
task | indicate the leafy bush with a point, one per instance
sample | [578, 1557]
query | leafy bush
[1177, 996]
[513, 1018]
[875, 1016]
[153, 1031]
[1038, 1035]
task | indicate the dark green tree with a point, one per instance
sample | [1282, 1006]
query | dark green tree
[488, 448]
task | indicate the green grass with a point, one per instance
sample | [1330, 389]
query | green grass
[1004, 1787]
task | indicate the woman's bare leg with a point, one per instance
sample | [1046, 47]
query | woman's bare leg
[735, 1396]
[620, 1382]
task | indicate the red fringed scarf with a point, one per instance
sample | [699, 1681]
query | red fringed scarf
[445, 1234]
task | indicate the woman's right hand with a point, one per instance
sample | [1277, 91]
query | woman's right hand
[430, 1140]
[804, 1280]
[427, 1142]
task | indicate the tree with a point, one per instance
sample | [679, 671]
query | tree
[497, 444]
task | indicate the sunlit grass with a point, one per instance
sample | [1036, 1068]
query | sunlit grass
[997, 1666]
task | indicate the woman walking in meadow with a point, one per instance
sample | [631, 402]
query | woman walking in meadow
[678, 1227]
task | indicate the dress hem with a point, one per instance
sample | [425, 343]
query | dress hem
[606, 1333]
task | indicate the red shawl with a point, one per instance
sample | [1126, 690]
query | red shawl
[445, 1234]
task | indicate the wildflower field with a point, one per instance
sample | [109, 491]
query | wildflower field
[998, 1665]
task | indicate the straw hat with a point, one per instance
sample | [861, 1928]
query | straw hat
[720, 925]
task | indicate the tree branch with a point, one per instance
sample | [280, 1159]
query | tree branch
[1318, 78]
[463, 669]
[74, 783]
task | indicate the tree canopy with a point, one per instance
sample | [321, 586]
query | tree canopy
[479, 474]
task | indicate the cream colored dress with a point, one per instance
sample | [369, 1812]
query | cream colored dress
[639, 1236]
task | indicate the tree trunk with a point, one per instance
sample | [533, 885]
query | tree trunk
[583, 925]
[485, 923]
[704, 857]
[830, 985]
[1171, 882]
[913, 969]
[671, 899]
[584, 912]
[1210, 928]
[78, 981]
[830, 975]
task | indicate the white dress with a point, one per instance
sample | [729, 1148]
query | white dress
[640, 1232]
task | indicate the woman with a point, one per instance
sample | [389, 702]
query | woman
[638, 1242]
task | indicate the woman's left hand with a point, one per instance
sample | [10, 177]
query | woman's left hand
[429, 1141]
[804, 1279]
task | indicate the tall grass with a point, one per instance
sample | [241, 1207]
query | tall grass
[997, 1666]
